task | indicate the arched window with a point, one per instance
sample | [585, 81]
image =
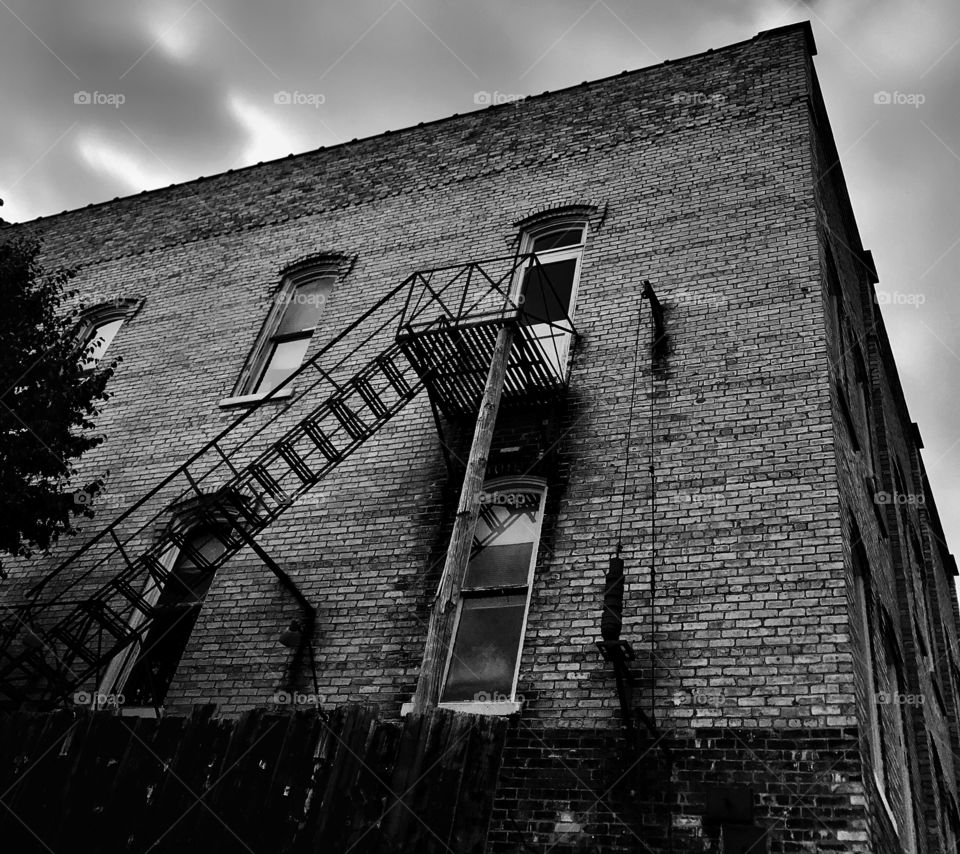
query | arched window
[143, 672]
[99, 326]
[289, 327]
[549, 291]
[484, 658]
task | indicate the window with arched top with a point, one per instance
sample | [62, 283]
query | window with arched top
[98, 327]
[548, 289]
[484, 657]
[285, 338]
[144, 671]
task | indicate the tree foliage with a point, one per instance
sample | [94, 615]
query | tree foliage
[48, 401]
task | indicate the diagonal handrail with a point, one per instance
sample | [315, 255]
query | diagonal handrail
[476, 276]
[478, 279]
[425, 278]
[310, 364]
[107, 611]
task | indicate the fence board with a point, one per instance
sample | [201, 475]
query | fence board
[291, 783]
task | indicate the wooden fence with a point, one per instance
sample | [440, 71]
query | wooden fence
[266, 782]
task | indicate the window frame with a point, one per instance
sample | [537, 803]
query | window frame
[864, 401]
[95, 317]
[500, 705]
[120, 668]
[897, 687]
[528, 237]
[863, 592]
[258, 360]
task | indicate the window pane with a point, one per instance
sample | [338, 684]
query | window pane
[99, 340]
[558, 239]
[188, 580]
[177, 609]
[547, 290]
[499, 566]
[285, 358]
[503, 539]
[304, 305]
[503, 523]
[485, 649]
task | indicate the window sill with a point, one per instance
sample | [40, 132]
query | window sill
[139, 712]
[500, 708]
[253, 399]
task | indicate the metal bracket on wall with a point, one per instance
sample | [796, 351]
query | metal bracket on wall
[659, 346]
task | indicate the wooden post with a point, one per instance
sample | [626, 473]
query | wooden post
[461, 539]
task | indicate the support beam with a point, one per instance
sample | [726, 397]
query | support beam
[461, 539]
[285, 580]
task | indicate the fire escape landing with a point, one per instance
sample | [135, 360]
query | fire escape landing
[450, 323]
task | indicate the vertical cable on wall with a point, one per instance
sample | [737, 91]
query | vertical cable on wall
[633, 399]
[653, 564]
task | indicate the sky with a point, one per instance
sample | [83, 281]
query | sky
[105, 98]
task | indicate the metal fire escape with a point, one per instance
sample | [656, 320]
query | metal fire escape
[97, 602]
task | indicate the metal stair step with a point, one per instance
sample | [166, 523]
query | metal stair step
[312, 430]
[352, 423]
[372, 400]
[394, 376]
[82, 641]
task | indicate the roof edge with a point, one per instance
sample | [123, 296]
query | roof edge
[801, 26]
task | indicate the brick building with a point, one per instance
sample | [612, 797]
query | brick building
[699, 382]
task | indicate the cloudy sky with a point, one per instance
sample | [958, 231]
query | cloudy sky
[182, 88]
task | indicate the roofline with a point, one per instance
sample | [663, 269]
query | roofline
[800, 26]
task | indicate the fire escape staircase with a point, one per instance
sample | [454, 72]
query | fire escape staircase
[97, 602]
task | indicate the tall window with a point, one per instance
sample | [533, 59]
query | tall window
[289, 328]
[99, 326]
[895, 738]
[549, 291]
[864, 606]
[921, 586]
[488, 635]
[143, 672]
[861, 395]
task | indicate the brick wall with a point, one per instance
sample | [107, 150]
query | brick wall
[702, 177]
[890, 515]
